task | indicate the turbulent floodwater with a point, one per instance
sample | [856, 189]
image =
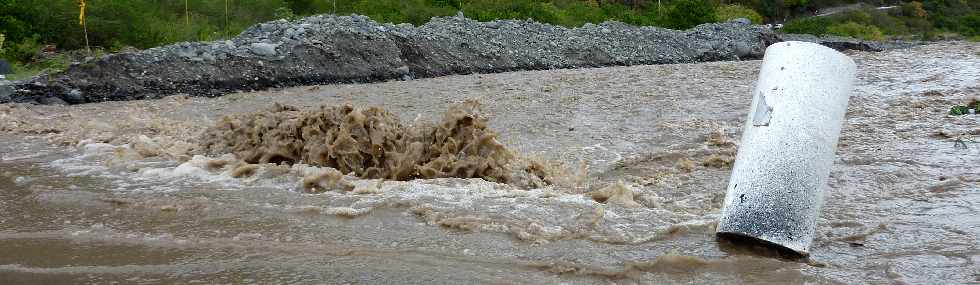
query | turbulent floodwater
[117, 192]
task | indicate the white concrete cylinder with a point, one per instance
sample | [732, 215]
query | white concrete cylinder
[787, 147]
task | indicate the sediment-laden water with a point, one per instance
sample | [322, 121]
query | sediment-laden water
[124, 192]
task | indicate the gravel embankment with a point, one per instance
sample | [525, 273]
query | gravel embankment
[330, 49]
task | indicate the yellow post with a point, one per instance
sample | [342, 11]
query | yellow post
[81, 21]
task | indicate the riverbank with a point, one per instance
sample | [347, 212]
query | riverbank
[328, 49]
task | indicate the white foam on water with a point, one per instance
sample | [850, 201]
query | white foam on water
[88, 162]
[535, 214]
[20, 156]
[133, 174]
[194, 169]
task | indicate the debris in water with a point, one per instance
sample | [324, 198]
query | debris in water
[718, 161]
[371, 188]
[373, 143]
[617, 193]
[970, 108]
[960, 144]
[244, 170]
[216, 164]
[326, 180]
[720, 139]
[959, 110]
[685, 165]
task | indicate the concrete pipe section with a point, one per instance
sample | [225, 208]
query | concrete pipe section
[787, 147]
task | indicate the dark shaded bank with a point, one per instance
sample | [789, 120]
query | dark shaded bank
[329, 49]
[846, 43]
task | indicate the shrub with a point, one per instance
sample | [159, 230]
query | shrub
[889, 24]
[734, 11]
[577, 13]
[914, 9]
[620, 12]
[858, 16]
[540, 11]
[684, 14]
[420, 14]
[970, 25]
[381, 10]
[13, 28]
[284, 13]
[24, 51]
[852, 29]
[814, 26]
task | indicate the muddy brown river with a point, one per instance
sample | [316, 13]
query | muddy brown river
[118, 192]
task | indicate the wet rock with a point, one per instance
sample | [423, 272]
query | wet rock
[51, 101]
[264, 49]
[835, 42]
[403, 70]
[330, 49]
[741, 21]
[742, 50]
[5, 92]
[74, 96]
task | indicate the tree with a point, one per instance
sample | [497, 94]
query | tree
[685, 14]
[302, 7]
[732, 11]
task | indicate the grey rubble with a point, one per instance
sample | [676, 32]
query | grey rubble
[339, 49]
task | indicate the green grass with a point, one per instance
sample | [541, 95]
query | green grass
[22, 72]
[52, 64]
[855, 30]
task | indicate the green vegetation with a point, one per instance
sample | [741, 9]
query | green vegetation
[30, 25]
[855, 30]
[959, 110]
[922, 20]
[685, 14]
[963, 110]
[815, 26]
[29, 60]
[734, 11]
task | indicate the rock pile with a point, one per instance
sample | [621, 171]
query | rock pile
[336, 49]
